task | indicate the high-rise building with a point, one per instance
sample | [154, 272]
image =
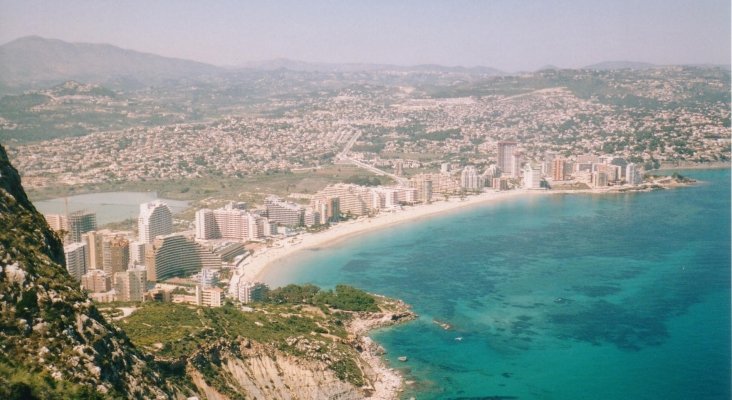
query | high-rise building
[470, 180]
[633, 175]
[517, 160]
[558, 169]
[137, 253]
[399, 168]
[506, 159]
[155, 220]
[79, 223]
[94, 251]
[599, 179]
[174, 255]
[228, 223]
[116, 254]
[206, 227]
[352, 199]
[532, 177]
[75, 254]
[283, 212]
[131, 285]
[251, 291]
[96, 281]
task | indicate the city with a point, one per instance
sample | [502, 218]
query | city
[365, 200]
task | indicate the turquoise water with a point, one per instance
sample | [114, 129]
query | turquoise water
[623, 296]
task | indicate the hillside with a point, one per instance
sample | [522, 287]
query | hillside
[302, 343]
[37, 62]
[53, 341]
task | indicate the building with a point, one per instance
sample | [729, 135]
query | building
[137, 253]
[208, 278]
[633, 174]
[130, 285]
[469, 179]
[283, 212]
[399, 168]
[211, 297]
[251, 291]
[506, 157]
[57, 222]
[599, 179]
[116, 254]
[425, 191]
[228, 223]
[96, 281]
[558, 169]
[353, 200]
[441, 184]
[206, 227]
[75, 254]
[532, 177]
[176, 256]
[155, 220]
[79, 223]
[94, 251]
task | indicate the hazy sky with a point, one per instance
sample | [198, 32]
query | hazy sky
[506, 34]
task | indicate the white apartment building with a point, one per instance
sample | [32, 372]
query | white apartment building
[155, 220]
[75, 259]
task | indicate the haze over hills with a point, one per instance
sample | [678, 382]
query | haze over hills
[35, 62]
[38, 62]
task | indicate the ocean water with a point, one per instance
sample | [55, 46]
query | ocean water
[622, 296]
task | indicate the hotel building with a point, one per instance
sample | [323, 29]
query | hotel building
[79, 223]
[155, 220]
[75, 254]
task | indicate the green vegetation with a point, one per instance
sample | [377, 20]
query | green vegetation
[176, 332]
[252, 188]
[18, 383]
[364, 180]
[345, 298]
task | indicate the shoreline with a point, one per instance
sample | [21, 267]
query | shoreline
[259, 263]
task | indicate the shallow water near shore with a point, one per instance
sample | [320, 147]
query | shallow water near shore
[612, 296]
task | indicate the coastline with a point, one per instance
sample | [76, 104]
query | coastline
[258, 263]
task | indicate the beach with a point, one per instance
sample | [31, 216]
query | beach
[255, 267]
[257, 264]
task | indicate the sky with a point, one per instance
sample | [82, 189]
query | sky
[511, 35]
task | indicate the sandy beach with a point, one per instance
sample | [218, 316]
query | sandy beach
[256, 265]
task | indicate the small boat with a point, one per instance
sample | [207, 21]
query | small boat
[402, 358]
[459, 338]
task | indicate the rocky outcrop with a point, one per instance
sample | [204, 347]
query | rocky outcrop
[53, 341]
[256, 371]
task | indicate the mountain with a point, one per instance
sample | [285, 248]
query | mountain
[36, 62]
[610, 65]
[296, 65]
[53, 341]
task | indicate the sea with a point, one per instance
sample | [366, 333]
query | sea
[567, 296]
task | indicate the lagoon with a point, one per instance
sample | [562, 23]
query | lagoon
[109, 206]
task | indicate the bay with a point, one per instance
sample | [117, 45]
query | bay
[578, 296]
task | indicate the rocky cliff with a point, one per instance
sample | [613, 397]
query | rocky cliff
[53, 341]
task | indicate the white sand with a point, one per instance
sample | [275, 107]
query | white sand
[257, 264]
